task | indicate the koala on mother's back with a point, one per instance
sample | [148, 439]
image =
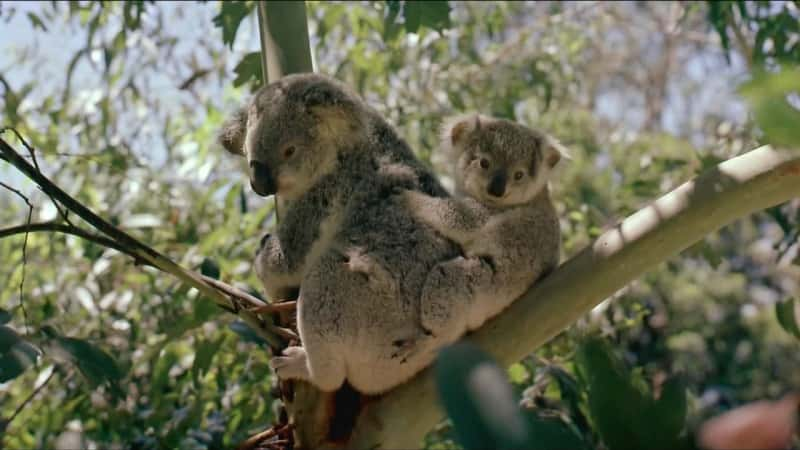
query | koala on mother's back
[358, 258]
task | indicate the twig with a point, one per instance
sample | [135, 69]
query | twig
[30, 397]
[64, 213]
[234, 293]
[54, 227]
[276, 307]
[24, 252]
[251, 442]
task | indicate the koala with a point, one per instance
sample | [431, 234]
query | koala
[502, 218]
[356, 259]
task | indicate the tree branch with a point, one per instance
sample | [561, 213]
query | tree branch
[283, 30]
[53, 227]
[139, 251]
[735, 188]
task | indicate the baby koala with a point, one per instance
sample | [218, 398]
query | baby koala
[501, 216]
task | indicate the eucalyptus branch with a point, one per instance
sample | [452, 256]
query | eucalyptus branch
[54, 227]
[138, 250]
[31, 396]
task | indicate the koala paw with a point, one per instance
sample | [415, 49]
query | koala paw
[407, 348]
[292, 365]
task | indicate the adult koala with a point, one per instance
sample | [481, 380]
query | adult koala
[358, 257]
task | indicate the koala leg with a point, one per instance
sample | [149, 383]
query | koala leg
[450, 296]
[325, 365]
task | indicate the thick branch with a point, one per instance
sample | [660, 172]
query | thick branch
[284, 39]
[735, 188]
[134, 247]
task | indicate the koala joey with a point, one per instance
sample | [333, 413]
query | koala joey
[358, 259]
[502, 218]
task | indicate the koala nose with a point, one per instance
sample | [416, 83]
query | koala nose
[497, 186]
[261, 179]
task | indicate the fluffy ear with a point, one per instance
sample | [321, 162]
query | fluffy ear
[339, 113]
[456, 129]
[554, 151]
[233, 132]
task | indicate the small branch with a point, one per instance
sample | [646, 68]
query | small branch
[276, 307]
[32, 153]
[24, 252]
[53, 227]
[253, 441]
[31, 396]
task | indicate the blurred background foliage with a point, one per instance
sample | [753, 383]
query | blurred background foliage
[122, 101]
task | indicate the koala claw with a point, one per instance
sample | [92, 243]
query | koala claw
[292, 365]
[406, 348]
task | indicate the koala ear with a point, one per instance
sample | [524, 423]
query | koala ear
[338, 112]
[233, 132]
[554, 151]
[456, 129]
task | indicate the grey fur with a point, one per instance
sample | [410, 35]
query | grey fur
[508, 241]
[345, 240]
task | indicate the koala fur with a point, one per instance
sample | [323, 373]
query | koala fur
[503, 220]
[356, 254]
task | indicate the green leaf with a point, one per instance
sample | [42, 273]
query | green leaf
[246, 333]
[5, 316]
[16, 354]
[479, 400]
[390, 26]
[786, 313]
[614, 402]
[719, 14]
[249, 68]
[433, 14]
[36, 22]
[94, 363]
[623, 410]
[552, 433]
[160, 377]
[210, 268]
[669, 411]
[203, 357]
[767, 94]
[518, 374]
[230, 17]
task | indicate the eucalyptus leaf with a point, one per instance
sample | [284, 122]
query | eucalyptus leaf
[16, 354]
[786, 312]
[230, 16]
[479, 399]
[94, 363]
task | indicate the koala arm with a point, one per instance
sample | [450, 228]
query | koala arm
[274, 271]
[459, 220]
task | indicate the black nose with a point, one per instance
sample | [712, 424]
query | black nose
[497, 186]
[261, 179]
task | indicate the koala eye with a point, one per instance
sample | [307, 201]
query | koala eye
[518, 175]
[484, 163]
[288, 152]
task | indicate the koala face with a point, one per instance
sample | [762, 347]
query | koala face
[499, 162]
[292, 132]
